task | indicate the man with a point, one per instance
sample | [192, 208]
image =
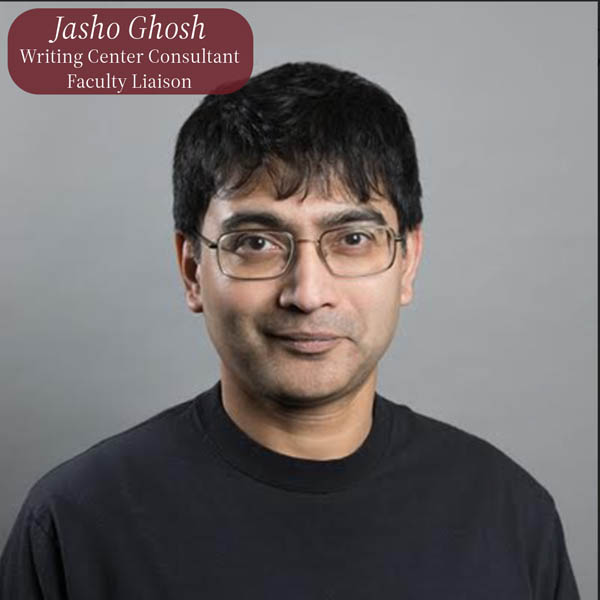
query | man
[298, 237]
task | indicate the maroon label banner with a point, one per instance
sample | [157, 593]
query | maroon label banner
[130, 51]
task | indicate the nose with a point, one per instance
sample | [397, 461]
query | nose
[308, 285]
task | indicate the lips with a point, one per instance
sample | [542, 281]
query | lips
[304, 342]
[306, 335]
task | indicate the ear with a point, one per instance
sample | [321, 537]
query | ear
[411, 260]
[188, 268]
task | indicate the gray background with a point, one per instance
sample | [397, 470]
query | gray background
[501, 339]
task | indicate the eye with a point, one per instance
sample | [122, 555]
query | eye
[256, 243]
[355, 238]
[253, 242]
[351, 241]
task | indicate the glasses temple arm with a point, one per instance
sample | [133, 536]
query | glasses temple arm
[208, 242]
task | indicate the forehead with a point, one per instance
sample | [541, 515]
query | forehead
[314, 211]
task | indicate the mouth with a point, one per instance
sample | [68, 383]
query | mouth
[307, 343]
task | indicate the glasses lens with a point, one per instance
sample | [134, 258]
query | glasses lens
[254, 254]
[358, 250]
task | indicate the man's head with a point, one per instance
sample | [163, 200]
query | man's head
[307, 146]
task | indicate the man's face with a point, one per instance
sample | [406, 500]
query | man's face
[249, 322]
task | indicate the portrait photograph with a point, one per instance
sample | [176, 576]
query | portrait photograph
[325, 329]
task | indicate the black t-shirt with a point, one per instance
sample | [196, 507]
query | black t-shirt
[187, 506]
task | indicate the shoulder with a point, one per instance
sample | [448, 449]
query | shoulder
[107, 466]
[467, 461]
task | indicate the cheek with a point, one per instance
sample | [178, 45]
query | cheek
[231, 308]
[379, 306]
[229, 330]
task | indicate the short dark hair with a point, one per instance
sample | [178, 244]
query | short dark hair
[300, 124]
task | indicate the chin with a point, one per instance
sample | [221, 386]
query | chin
[306, 387]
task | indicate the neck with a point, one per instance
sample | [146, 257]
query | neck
[325, 430]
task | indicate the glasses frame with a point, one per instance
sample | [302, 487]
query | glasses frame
[215, 245]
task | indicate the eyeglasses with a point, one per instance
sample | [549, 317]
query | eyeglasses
[348, 251]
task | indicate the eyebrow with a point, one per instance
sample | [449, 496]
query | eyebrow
[274, 221]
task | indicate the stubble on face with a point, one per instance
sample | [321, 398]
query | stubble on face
[243, 316]
[267, 367]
